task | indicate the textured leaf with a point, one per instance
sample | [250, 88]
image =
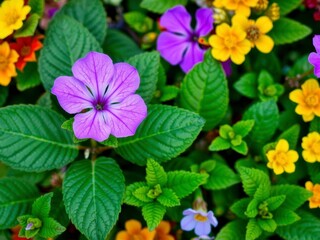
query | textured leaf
[219, 144]
[184, 183]
[242, 148]
[93, 193]
[66, 41]
[29, 78]
[50, 228]
[252, 179]
[268, 225]
[31, 139]
[141, 194]
[41, 207]
[247, 85]
[242, 128]
[37, 6]
[234, 230]
[169, 93]
[287, 6]
[16, 197]
[110, 142]
[153, 214]
[130, 199]
[147, 65]
[45, 100]
[284, 216]
[262, 192]
[240, 206]
[291, 135]
[286, 30]
[252, 209]
[168, 198]
[29, 27]
[207, 166]
[91, 14]
[253, 230]
[204, 90]
[275, 202]
[155, 173]
[160, 6]
[164, 134]
[138, 21]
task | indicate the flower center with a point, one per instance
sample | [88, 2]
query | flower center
[198, 217]
[281, 158]
[12, 18]
[3, 62]
[99, 107]
[25, 51]
[312, 100]
[230, 41]
[253, 33]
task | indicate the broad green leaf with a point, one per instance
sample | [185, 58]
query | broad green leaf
[169, 93]
[287, 30]
[204, 90]
[234, 230]
[247, 85]
[295, 195]
[58, 210]
[29, 78]
[66, 41]
[284, 216]
[242, 148]
[37, 6]
[33, 178]
[314, 125]
[164, 134]
[262, 192]
[147, 65]
[243, 127]
[16, 198]
[130, 198]
[91, 14]
[184, 183]
[119, 46]
[138, 21]
[41, 207]
[253, 230]
[219, 144]
[168, 198]
[221, 177]
[275, 202]
[3, 94]
[252, 179]
[93, 193]
[240, 206]
[31, 139]
[155, 173]
[29, 27]
[153, 214]
[50, 228]
[291, 135]
[287, 6]
[160, 6]
[268, 225]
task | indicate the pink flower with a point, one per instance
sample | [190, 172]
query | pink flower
[314, 58]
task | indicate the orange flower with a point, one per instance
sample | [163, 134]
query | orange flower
[8, 57]
[314, 201]
[162, 231]
[134, 231]
[26, 47]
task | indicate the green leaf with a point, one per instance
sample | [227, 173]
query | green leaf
[204, 90]
[119, 46]
[247, 85]
[169, 93]
[45, 100]
[221, 177]
[29, 27]
[242, 148]
[207, 166]
[16, 197]
[252, 209]
[153, 214]
[164, 134]
[31, 233]
[315, 125]
[184, 183]
[66, 41]
[252, 179]
[37, 6]
[291, 135]
[31, 139]
[168, 198]
[233, 230]
[160, 6]
[275, 202]
[219, 144]
[287, 30]
[138, 21]
[91, 14]
[50, 228]
[301, 66]
[155, 173]
[93, 193]
[253, 230]
[295, 195]
[141, 193]
[41, 207]
[243, 128]
[269, 62]
[29, 78]
[287, 6]
[268, 225]
[284, 217]
[130, 198]
[3, 94]
[147, 65]
[112, 141]
[262, 192]
[240, 206]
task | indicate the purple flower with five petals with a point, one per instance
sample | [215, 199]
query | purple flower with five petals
[314, 58]
[178, 44]
[102, 95]
[198, 220]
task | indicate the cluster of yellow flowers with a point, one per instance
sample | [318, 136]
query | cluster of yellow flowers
[236, 40]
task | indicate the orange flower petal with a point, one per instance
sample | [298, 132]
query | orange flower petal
[133, 226]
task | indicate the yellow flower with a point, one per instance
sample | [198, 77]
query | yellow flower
[314, 200]
[7, 59]
[240, 6]
[311, 147]
[308, 99]
[134, 231]
[256, 31]
[163, 230]
[273, 12]
[261, 5]
[282, 159]
[12, 14]
[218, 3]
[229, 42]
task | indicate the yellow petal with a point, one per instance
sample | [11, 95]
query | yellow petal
[278, 169]
[264, 43]
[309, 185]
[244, 46]
[240, 21]
[4, 79]
[147, 235]
[133, 226]
[223, 30]
[216, 42]
[289, 168]
[282, 146]
[292, 156]
[308, 118]
[264, 24]
[310, 85]
[308, 156]
[237, 57]
[243, 10]
[296, 96]
[313, 204]
[123, 235]
[220, 54]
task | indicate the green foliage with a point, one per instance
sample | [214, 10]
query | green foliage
[37, 6]
[275, 202]
[204, 90]
[164, 134]
[268, 89]
[32, 140]
[42, 206]
[315, 125]
[153, 214]
[233, 230]
[160, 6]
[287, 6]
[138, 21]
[155, 174]
[93, 193]
[168, 198]
[29, 78]
[66, 41]
[29, 27]
[284, 217]
[268, 225]
[3, 94]
[253, 230]
[247, 85]
[291, 135]
[132, 197]
[240, 206]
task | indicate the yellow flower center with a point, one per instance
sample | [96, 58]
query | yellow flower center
[316, 147]
[230, 41]
[281, 158]
[3, 63]
[12, 18]
[312, 100]
[198, 217]
[253, 33]
[25, 51]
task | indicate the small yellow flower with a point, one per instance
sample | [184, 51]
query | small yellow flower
[308, 99]
[134, 231]
[314, 200]
[311, 147]
[229, 42]
[256, 31]
[261, 5]
[282, 159]
[240, 6]
[273, 12]
[12, 14]
[8, 57]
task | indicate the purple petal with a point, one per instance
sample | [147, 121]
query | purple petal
[188, 223]
[172, 47]
[125, 117]
[72, 94]
[125, 82]
[314, 59]
[204, 17]
[193, 55]
[95, 70]
[189, 211]
[212, 219]
[91, 124]
[202, 228]
[177, 20]
[316, 42]
[227, 67]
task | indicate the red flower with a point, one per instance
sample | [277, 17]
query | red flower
[26, 47]
[15, 233]
[311, 3]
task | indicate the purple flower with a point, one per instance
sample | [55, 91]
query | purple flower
[178, 44]
[314, 58]
[199, 221]
[102, 95]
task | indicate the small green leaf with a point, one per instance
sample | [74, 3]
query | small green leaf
[169, 93]
[130, 199]
[268, 225]
[37, 6]
[314, 125]
[233, 230]
[284, 216]
[247, 85]
[112, 141]
[242, 148]
[240, 206]
[141, 193]
[168, 198]
[29, 27]
[138, 21]
[253, 230]
[219, 144]
[3, 94]
[155, 173]
[207, 166]
[50, 228]
[153, 214]
[243, 128]
[291, 135]
[31, 233]
[29, 78]
[252, 209]
[262, 192]
[41, 207]
[162, 5]
[275, 202]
